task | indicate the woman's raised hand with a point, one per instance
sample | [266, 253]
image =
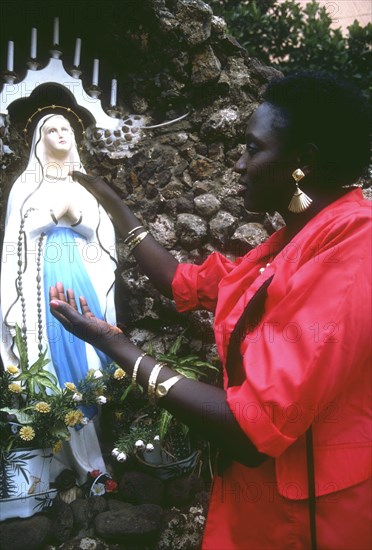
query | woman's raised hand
[84, 325]
[97, 186]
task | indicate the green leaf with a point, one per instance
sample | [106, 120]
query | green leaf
[22, 417]
[164, 423]
[126, 392]
[21, 346]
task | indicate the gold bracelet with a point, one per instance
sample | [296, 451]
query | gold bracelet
[163, 388]
[152, 381]
[136, 367]
[133, 244]
[129, 242]
[130, 233]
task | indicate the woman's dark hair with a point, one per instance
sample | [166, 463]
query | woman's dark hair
[320, 108]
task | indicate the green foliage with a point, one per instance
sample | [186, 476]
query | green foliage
[34, 411]
[137, 419]
[291, 37]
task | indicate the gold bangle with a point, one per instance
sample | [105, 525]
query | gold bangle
[163, 388]
[133, 238]
[136, 241]
[136, 367]
[152, 381]
[130, 233]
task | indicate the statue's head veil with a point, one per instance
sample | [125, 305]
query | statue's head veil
[33, 176]
[38, 157]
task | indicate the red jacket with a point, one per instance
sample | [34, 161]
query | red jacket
[307, 363]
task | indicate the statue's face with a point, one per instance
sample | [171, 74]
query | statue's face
[57, 136]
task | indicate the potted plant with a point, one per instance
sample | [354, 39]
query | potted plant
[160, 443]
[35, 419]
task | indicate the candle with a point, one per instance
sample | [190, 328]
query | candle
[33, 50]
[56, 32]
[95, 72]
[10, 58]
[114, 87]
[77, 52]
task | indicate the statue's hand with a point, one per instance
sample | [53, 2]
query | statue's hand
[84, 325]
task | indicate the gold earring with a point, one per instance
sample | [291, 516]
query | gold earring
[300, 201]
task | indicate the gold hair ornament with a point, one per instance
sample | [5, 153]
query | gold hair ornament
[300, 201]
[40, 109]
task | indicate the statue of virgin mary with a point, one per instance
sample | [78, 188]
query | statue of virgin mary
[55, 230]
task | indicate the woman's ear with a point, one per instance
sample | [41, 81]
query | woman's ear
[308, 158]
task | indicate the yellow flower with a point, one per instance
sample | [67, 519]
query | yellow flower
[119, 374]
[70, 386]
[15, 388]
[27, 433]
[12, 369]
[42, 407]
[57, 447]
[73, 417]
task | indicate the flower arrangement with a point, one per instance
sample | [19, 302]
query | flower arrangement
[34, 411]
[99, 483]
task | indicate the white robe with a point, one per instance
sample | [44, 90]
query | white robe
[95, 243]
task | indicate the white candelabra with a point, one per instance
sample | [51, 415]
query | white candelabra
[54, 72]
[124, 133]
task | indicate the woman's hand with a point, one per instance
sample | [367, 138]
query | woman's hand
[84, 325]
[97, 186]
[154, 260]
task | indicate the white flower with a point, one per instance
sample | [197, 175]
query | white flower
[150, 447]
[157, 438]
[115, 452]
[122, 457]
[139, 444]
[101, 400]
[97, 374]
[84, 421]
[77, 396]
[98, 489]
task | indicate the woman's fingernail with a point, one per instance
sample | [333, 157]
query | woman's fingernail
[54, 304]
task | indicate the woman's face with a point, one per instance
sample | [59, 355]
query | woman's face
[58, 136]
[266, 165]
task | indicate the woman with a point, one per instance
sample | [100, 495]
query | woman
[55, 229]
[292, 326]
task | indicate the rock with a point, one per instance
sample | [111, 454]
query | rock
[205, 67]
[185, 203]
[140, 488]
[134, 524]
[221, 123]
[163, 230]
[180, 491]
[88, 543]
[219, 26]
[222, 226]
[251, 233]
[62, 519]
[191, 230]
[207, 205]
[273, 222]
[203, 168]
[84, 510]
[184, 530]
[21, 534]
[194, 18]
